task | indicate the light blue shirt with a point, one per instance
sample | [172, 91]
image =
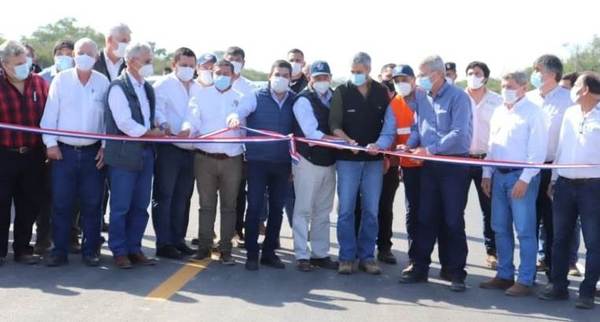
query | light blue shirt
[443, 123]
[303, 111]
[388, 131]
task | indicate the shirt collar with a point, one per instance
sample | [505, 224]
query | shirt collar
[108, 61]
[287, 93]
[134, 81]
[443, 89]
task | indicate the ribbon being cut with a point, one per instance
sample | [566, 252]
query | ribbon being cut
[269, 136]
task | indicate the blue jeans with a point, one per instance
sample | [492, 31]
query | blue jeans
[173, 188]
[76, 178]
[365, 177]
[273, 178]
[129, 200]
[572, 199]
[508, 211]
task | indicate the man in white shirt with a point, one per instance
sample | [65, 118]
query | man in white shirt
[237, 57]
[110, 61]
[131, 107]
[553, 100]
[217, 167]
[576, 192]
[174, 170]
[483, 104]
[517, 133]
[76, 103]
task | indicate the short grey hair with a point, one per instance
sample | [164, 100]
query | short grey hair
[136, 49]
[11, 48]
[86, 41]
[361, 58]
[519, 77]
[119, 29]
[435, 63]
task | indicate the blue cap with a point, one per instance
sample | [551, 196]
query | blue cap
[319, 67]
[403, 70]
[207, 58]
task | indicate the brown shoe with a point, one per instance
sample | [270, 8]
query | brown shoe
[491, 261]
[141, 259]
[518, 289]
[497, 284]
[122, 262]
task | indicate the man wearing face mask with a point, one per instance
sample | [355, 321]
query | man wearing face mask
[553, 101]
[76, 103]
[237, 57]
[131, 110]
[174, 172]
[517, 133]
[314, 175]
[63, 60]
[269, 165]
[22, 99]
[576, 192]
[451, 74]
[204, 69]
[217, 167]
[299, 80]
[111, 60]
[483, 104]
[360, 115]
[442, 127]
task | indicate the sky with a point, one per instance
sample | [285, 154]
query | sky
[506, 34]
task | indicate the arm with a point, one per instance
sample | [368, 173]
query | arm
[388, 132]
[192, 121]
[50, 116]
[460, 126]
[306, 119]
[119, 107]
[336, 116]
[160, 118]
[246, 107]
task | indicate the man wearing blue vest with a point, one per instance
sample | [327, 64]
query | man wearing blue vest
[269, 166]
[130, 112]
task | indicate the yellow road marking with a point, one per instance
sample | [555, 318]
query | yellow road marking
[178, 280]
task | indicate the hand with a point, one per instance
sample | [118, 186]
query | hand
[234, 123]
[373, 148]
[519, 189]
[420, 151]
[550, 190]
[54, 153]
[165, 127]
[486, 185]
[100, 159]
[184, 134]
[401, 147]
[353, 143]
[155, 133]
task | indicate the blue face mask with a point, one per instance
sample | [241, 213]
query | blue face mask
[358, 79]
[63, 62]
[425, 83]
[22, 71]
[222, 82]
[536, 79]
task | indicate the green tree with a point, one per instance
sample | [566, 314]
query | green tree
[585, 57]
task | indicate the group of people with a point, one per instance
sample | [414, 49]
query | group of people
[419, 112]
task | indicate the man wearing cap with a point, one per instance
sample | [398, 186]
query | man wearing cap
[451, 72]
[204, 69]
[314, 174]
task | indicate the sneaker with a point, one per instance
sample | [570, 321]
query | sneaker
[550, 293]
[491, 261]
[370, 267]
[518, 290]
[345, 267]
[497, 283]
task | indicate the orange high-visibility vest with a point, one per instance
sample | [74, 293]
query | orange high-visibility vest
[404, 120]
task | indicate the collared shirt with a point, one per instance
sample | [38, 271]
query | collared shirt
[518, 134]
[279, 102]
[112, 68]
[22, 109]
[482, 113]
[73, 106]
[172, 103]
[121, 112]
[49, 73]
[444, 126]
[243, 86]
[209, 111]
[578, 143]
[303, 111]
[554, 105]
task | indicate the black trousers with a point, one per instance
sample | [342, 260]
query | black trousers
[544, 214]
[485, 203]
[241, 201]
[20, 181]
[412, 186]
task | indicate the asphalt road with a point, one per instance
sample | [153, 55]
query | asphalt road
[218, 293]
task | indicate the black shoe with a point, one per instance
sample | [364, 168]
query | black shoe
[202, 254]
[55, 261]
[227, 259]
[304, 265]
[274, 262]
[458, 285]
[91, 261]
[185, 250]
[195, 242]
[550, 293]
[252, 265]
[586, 303]
[386, 257]
[412, 277]
[27, 259]
[325, 263]
[168, 252]
[445, 276]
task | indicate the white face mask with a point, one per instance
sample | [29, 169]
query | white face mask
[474, 82]
[573, 94]
[449, 80]
[185, 73]
[296, 69]
[237, 67]
[84, 62]
[279, 84]
[205, 77]
[146, 70]
[120, 51]
[509, 96]
[402, 88]
[321, 87]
